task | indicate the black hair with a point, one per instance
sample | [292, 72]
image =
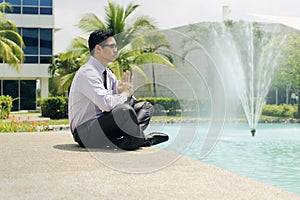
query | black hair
[97, 37]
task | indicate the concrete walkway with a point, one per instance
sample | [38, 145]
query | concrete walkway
[50, 166]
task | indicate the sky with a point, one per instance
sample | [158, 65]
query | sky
[173, 13]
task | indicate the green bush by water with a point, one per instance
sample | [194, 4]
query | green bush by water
[283, 110]
[55, 107]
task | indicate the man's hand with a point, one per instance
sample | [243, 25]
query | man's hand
[125, 85]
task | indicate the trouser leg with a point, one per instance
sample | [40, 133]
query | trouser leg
[144, 112]
[119, 127]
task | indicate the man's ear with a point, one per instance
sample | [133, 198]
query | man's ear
[99, 48]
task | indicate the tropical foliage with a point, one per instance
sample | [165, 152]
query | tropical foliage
[11, 42]
[288, 74]
[135, 42]
[5, 106]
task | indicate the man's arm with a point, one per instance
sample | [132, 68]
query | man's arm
[92, 88]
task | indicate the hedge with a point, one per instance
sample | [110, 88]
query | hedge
[5, 106]
[54, 107]
[172, 106]
[282, 110]
[57, 107]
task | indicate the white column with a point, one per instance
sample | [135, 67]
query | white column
[225, 13]
[44, 87]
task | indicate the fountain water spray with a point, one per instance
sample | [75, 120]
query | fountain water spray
[246, 55]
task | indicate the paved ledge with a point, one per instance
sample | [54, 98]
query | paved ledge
[50, 166]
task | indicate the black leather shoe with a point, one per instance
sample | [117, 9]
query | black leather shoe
[155, 138]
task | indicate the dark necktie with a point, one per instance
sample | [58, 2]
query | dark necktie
[105, 79]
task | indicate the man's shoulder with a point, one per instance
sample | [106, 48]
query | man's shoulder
[88, 69]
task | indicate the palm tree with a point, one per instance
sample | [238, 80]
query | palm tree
[154, 46]
[65, 65]
[11, 42]
[129, 57]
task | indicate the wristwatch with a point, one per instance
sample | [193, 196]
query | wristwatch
[131, 100]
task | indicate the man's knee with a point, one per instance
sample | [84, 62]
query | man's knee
[122, 110]
[124, 114]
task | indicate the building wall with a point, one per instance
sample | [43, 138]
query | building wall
[35, 21]
[197, 75]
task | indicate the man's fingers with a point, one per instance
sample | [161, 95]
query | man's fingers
[126, 76]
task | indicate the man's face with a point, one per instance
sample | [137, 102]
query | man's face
[108, 50]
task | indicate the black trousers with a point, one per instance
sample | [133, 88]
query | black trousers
[120, 128]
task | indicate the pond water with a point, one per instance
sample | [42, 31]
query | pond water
[272, 156]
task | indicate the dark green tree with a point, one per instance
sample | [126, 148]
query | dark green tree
[288, 75]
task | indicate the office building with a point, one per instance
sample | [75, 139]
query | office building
[35, 21]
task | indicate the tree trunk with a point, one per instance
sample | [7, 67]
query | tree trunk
[298, 114]
[153, 81]
[287, 95]
[276, 95]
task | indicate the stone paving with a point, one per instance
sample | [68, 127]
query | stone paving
[49, 165]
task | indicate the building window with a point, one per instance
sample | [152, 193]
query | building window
[30, 10]
[27, 94]
[46, 11]
[38, 45]
[16, 4]
[31, 40]
[46, 41]
[46, 3]
[33, 7]
[13, 2]
[30, 2]
[10, 87]
[45, 59]
[24, 89]
[31, 59]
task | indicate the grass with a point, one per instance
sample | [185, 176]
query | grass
[58, 121]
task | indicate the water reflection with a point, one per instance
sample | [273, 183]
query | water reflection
[272, 156]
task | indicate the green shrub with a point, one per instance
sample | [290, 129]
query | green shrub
[54, 107]
[170, 106]
[282, 110]
[173, 106]
[5, 106]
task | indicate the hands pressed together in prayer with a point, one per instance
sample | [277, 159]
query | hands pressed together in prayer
[125, 84]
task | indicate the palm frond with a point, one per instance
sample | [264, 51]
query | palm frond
[79, 50]
[128, 54]
[138, 70]
[65, 82]
[13, 36]
[110, 15]
[147, 58]
[11, 53]
[165, 54]
[90, 22]
[144, 22]
[130, 9]
[5, 7]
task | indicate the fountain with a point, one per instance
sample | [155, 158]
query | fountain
[246, 55]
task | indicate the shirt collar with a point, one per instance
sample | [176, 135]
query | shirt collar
[94, 62]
